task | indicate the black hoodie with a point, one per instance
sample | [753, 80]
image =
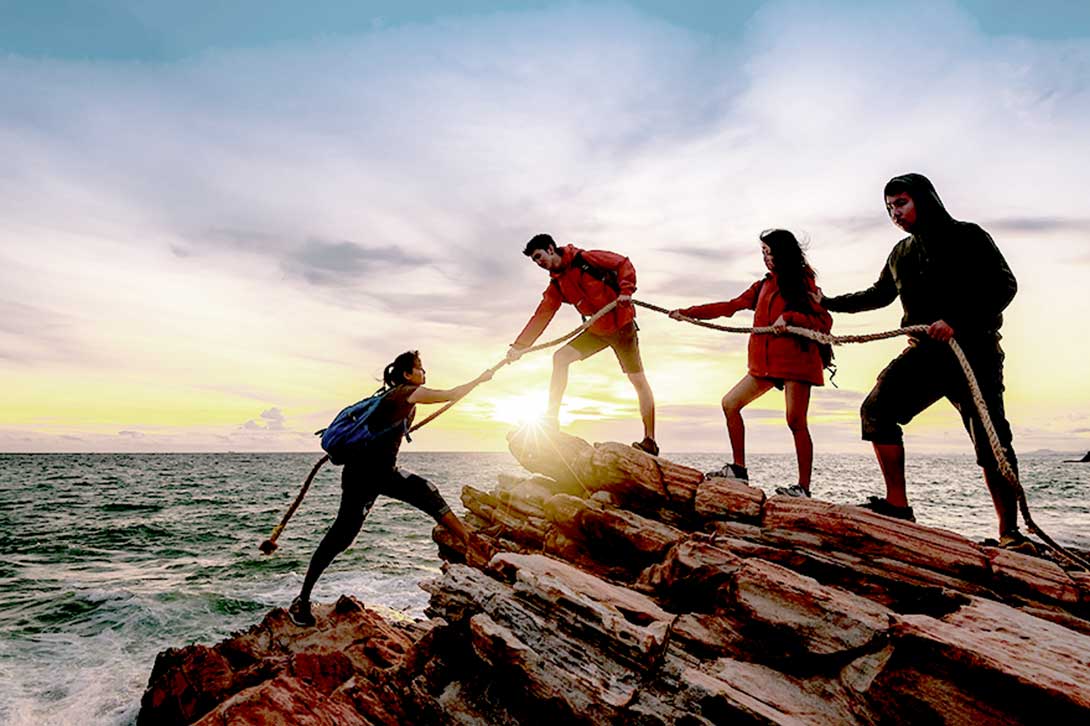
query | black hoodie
[945, 270]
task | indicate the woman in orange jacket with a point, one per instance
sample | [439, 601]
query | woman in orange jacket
[789, 362]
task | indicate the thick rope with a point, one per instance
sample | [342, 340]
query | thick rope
[269, 546]
[540, 346]
[1002, 463]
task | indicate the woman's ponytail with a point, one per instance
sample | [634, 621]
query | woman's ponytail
[394, 373]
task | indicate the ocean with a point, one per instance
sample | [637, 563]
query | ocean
[106, 559]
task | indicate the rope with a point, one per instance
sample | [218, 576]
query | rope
[1005, 468]
[1000, 455]
[269, 546]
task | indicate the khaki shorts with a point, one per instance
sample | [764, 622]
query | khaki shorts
[625, 344]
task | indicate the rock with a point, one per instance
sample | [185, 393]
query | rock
[729, 499]
[610, 586]
[987, 659]
[278, 671]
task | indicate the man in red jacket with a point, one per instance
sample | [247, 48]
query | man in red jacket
[589, 280]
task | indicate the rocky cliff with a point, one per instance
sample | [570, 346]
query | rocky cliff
[626, 589]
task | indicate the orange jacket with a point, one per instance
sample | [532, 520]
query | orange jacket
[787, 357]
[587, 293]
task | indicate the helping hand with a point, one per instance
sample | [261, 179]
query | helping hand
[623, 299]
[780, 326]
[513, 354]
[486, 376]
[676, 314]
[941, 331]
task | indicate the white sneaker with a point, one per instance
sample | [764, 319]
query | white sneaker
[793, 491]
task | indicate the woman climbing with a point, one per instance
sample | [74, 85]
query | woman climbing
[375, 472]
[788, 362]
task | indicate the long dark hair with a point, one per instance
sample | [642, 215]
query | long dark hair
[394, 373]
[793, 273]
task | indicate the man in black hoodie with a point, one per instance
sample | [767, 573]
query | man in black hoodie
[951, 277]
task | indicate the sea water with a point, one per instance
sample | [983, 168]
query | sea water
[106, 559]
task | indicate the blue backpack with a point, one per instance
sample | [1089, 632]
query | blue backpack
[351, 433]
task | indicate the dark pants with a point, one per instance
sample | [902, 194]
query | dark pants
[927, 371]
[360, 487]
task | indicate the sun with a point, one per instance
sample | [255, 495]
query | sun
[520, 410]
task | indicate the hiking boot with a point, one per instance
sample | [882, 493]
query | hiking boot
[729, 471]
[299, 612]
[793, 491]
[880, 505]
[1015, 541]
[648, 444]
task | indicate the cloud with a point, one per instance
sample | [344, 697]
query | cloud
[1044, 225]
[706, 254]
[328, 263]
[315, 207]
[131, 434]
[274, 419]
[32, 334]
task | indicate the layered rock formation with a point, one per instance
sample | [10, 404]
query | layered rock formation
[629, 589]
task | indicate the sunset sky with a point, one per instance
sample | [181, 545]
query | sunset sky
[218, 221]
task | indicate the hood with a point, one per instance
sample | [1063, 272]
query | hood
[930, 212]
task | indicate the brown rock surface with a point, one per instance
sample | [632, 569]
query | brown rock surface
[628, 589]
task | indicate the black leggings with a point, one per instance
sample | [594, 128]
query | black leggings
[360, 487]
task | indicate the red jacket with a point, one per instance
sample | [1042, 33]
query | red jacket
[587, 293]
[787, 357]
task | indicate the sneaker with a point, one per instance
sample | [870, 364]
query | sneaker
[793, 491]
[729, 471]
[299, 612]
[648, 444]
[1014, 540]
[880, 505]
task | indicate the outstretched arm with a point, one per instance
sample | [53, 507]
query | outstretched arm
[546, 309]
[746, 301]
[878, 295]
[433, 395]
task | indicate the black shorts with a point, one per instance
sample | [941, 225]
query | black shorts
[625, 344]
[924, 373]
[363, 484]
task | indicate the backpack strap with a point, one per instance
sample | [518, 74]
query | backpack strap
[608, 277]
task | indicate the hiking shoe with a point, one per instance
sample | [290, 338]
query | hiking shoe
[793, 491]
[1015, 541]
[299, 612]
[648, 444]
[880, 505]
[729, 471]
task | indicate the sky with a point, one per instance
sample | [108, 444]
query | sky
[219, 221]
